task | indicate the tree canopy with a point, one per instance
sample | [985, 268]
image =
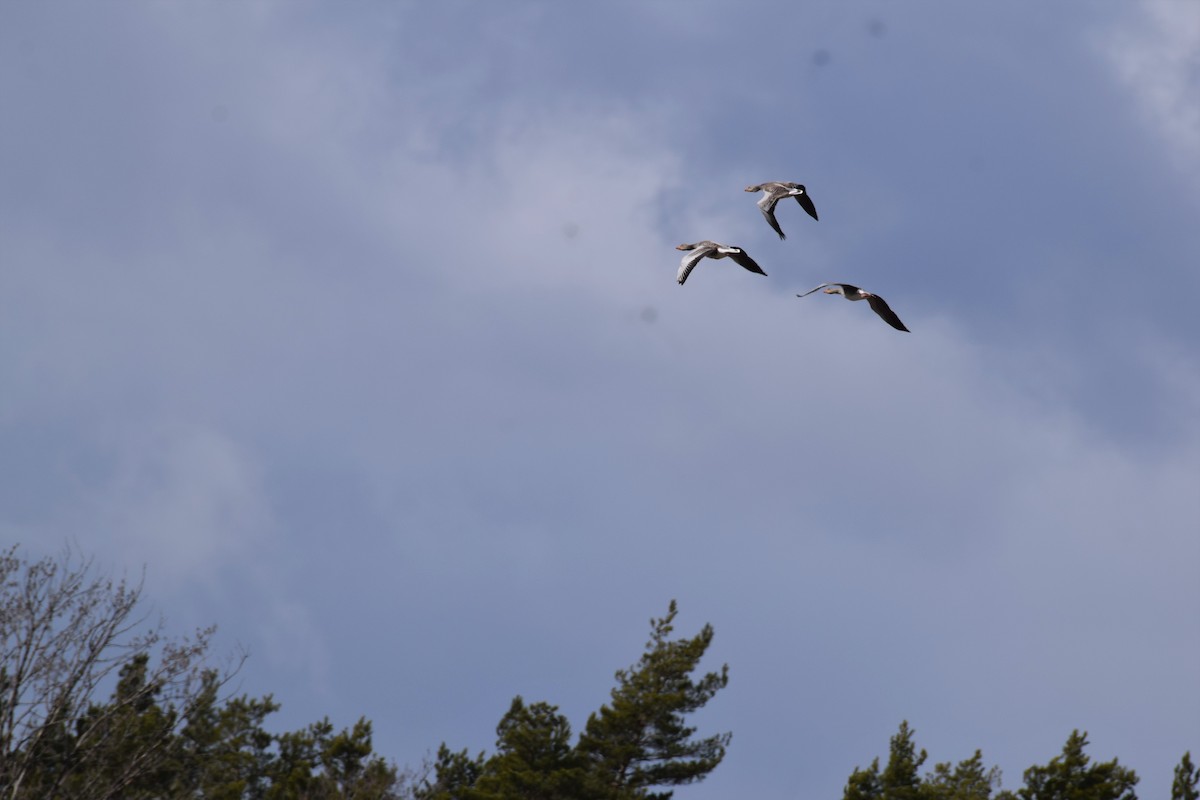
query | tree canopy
[164, 730]
[901, 779]
[637, 742]
[1186, 778]
[96, 706]
[1071, 775]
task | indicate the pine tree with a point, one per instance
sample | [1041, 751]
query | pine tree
[125, 745]
[637, 742]
[640, 740]
[163, 732]
[224, 751]
[454, 776]
[1070, 776]
[318, 764]
[864, 784]
[534, 758]
[969, 780]
[901, 780]
[64, 633]
[1186, 778]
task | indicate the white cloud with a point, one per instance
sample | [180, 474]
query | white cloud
[1158, 59]
[186, 499]
[192, 505]
[466, 313]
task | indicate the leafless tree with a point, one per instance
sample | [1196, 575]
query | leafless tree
[66, 635]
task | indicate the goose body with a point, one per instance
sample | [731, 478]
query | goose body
[877, 303]
[773, 192]
[707, 249]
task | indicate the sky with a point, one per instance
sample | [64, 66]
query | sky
[355, 326]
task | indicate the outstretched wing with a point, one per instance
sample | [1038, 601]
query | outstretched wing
[767, 207]
[740, 257]
[690, 261]
[885, 312]
[815, 289]
[807, 204]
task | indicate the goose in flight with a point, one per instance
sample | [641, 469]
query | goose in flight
[773, 192]
[854, 293]
[707, 249]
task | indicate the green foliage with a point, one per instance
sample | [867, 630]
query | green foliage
[901, 779]
[318, 763]
[128, 748]
[639, 741]
[864, 784]
[455, 774]
[224, 748]
[1071, 776]
[65, 633]
[969, 780]
[1186, 778]
[126, 743]
[164, 732]
[534, 758]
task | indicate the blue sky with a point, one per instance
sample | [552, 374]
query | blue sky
[357, 326]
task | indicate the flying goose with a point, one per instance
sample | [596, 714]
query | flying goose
[773, 192]
[707, 249]
[854, 293]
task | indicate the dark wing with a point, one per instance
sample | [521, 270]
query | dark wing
[690, 261]
[807, 204]
[739, 256]
[767, 207]
[881, 308]
[814, 289]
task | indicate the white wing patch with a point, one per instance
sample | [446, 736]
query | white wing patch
[689, 262]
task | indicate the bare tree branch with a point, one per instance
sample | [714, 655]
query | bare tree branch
[65, 635]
